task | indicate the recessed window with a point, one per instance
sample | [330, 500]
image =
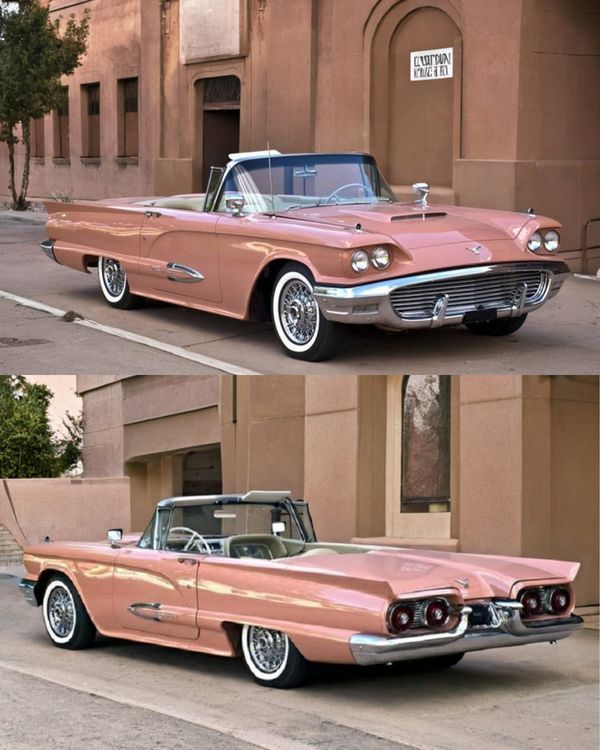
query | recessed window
[91, 120]
[426, 444]
[61, 127]
[127, 113]
[37, 136]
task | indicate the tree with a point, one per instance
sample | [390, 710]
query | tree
[28, 447]
[34, 55]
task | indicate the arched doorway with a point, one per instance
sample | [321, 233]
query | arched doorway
[414, 125]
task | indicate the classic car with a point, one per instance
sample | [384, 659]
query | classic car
[310, 241]
[245, 575]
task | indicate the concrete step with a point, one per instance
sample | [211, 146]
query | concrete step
[10, 552]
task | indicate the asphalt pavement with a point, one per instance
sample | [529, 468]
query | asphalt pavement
[121, 694]
[563, 337]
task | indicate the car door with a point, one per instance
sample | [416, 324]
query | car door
[155, 592]
[179, 254]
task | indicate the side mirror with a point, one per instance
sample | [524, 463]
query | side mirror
[421, 189]
[278, 527]
[114, 536]
[235, 203]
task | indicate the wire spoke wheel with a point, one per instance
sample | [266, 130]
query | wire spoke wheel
[268, 649]
[114, 276]
[298, 312]
[61, 612]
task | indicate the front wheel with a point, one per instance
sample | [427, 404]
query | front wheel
[66, 619]
[500, 327]
[301, 328]
[272, 658]
[114, 284]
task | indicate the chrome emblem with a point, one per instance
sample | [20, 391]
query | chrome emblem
[464, 582]
[475, 250]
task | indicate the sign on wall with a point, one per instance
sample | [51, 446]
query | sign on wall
[430, 64]
[209, 28]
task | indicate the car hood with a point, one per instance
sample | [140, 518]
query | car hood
[407, 571]
[411, 227]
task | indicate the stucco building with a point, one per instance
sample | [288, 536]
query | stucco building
[491, 102]
[505, 465]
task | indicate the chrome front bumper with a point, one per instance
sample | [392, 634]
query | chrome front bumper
[27, 588]
[371, 303]
[506, 629]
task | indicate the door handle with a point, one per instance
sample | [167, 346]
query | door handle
[185, 274]
[153, 214]
[187, 560]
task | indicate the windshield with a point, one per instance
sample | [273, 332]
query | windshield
[305, 180]
[221, 520]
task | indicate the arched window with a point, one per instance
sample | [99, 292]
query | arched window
[425, 483]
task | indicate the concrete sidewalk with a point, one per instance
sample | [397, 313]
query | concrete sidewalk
[24, 217]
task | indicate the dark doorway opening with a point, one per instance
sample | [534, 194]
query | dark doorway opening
[221, 130]
[202, 474]
[220, 122]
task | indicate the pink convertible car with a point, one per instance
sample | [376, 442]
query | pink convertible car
[244, 575]
[310, 241]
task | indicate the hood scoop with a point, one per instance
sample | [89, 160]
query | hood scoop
[422, 216]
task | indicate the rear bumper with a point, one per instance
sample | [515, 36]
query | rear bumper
[28, 590]
[48, 248]
[371, 303]
[507, 629]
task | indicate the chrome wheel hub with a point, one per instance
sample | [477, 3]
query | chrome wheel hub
[298, 312]
[114, 276]
[267, 648]
[61, 612]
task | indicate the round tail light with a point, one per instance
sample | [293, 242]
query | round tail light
[436, 613]
[532, 603]
[560, 601]
[401, 618]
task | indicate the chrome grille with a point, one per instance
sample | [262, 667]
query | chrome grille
[495, 290]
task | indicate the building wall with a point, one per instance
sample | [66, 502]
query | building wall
[514, 128]
[524, 455]
[64, 509]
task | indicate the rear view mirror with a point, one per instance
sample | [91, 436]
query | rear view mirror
[278, 527]
[115, 535]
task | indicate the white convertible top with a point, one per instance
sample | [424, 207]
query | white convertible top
[255, 496]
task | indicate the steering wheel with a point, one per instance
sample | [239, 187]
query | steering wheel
[195, 537]
[345, 187]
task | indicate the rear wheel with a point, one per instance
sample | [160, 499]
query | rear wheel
[66, 619]
[114, 284]
[501, 327]
[272, 658]
[301, 328]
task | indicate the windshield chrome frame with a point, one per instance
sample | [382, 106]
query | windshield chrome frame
[159, 545]
[233, 164]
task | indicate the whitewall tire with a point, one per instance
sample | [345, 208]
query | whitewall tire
[300, 327]
[114, 284]
[67, 622]
[272, 659]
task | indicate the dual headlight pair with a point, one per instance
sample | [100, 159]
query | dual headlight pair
[549, 241]
[379, 257]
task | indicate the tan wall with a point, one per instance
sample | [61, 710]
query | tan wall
[528, 472]
[64, 509]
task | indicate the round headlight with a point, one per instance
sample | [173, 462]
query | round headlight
[551, 241]
[535, 242]
[360, 261]
[380, 257]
